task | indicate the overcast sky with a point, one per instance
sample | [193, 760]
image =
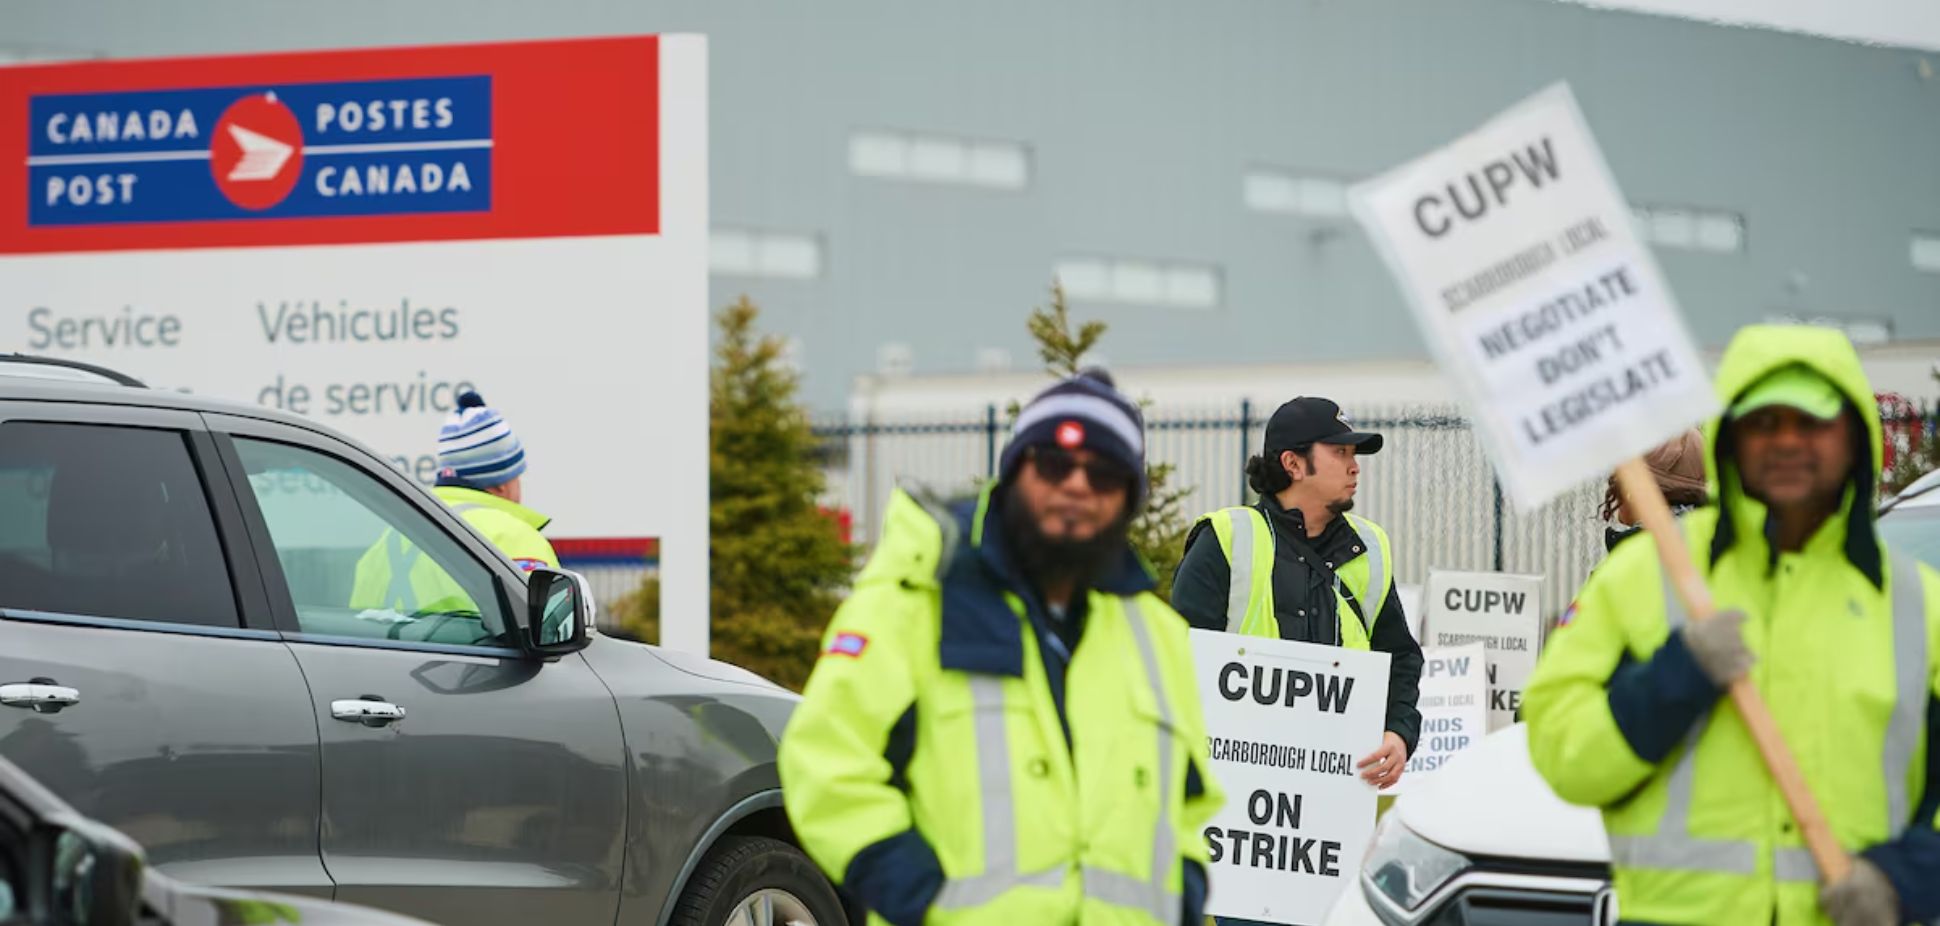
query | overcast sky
[1905, 23]
[1899, 23]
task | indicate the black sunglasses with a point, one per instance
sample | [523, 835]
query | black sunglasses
[1055, 465]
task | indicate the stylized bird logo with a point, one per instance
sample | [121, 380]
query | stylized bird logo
[262, 158]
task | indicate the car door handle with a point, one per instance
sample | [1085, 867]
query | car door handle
[368, 710]
[41, 695]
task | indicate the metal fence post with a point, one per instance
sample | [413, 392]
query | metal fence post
[1498, 525]
[870, 497]
[990, 440]
[1245, 444]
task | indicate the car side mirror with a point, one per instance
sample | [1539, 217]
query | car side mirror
[88, 874]
[559, 612]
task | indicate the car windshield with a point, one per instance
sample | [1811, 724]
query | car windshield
[1914, 531]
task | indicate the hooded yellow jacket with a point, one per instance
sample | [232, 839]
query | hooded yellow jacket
[1621, 718]
[949, 764]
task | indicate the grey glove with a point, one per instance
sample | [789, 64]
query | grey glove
[1864, 898]
[1718, 645]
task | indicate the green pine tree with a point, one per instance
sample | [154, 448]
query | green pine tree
[1159, 531]
[1062, 350]
[776, 560]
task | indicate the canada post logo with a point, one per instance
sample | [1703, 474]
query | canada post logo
[363, 148]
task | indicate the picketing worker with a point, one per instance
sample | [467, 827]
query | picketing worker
[1299, 566]
[1837, 632]
[1003, 726]
[481, 476]
[1677, 465]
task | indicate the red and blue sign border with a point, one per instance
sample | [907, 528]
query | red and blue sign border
[576, 137]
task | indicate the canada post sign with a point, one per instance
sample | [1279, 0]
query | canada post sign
[354, 148]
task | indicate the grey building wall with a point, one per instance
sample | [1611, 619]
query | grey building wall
[1141, 119]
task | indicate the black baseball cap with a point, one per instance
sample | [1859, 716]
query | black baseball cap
[1313, 420]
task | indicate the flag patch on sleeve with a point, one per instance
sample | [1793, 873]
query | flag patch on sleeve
[847, 644]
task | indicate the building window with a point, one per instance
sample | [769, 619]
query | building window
[1691, 229]
[993, 360]
[1143, 282]
[1315, 195]
[1862, 331]
[1926, 252]
[895, 359]
[997, 165]
[755, 253]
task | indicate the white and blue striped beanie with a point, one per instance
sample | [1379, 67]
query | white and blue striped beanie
[1086, 410]
[476, 448]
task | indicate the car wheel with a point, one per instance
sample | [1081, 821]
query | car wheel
[756, 881]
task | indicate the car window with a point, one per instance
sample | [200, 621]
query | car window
[362, 562]
[108, 522]
[1914, 531]
[14, 825]
[13, 891]
[9, 897]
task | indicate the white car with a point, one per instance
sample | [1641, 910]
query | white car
[1910, 521]
[1485, 841]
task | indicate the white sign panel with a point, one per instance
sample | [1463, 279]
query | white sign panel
[360, 236]
[1516, 251]
[1504, 614]
[1454, 708]
[1287, 723]
[1411, 606]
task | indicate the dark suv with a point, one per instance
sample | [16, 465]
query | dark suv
[186, 656]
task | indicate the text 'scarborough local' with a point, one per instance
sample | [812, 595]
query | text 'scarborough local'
[358, 236]
[1515, 250]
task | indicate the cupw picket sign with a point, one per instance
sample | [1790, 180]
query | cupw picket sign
[1516, 252]
[1454, 709]
[1501, 612]
[1286, 723]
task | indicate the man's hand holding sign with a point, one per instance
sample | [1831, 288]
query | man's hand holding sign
[1382, 767]
[1515, 250]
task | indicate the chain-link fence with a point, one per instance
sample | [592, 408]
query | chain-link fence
[1431, 486]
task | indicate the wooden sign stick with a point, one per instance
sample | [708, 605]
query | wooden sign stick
[1646, 500]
